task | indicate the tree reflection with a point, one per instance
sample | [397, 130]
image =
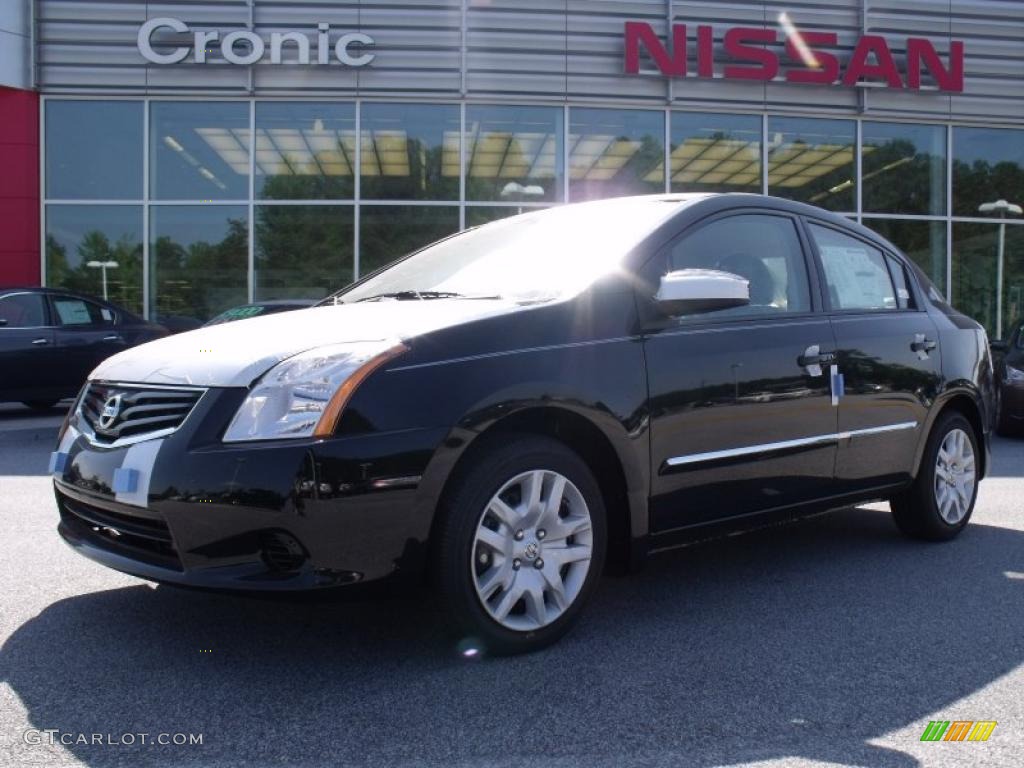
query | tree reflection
[200, 279]
[982, 182]
[898, 177]
[124, 284]
[302, 251]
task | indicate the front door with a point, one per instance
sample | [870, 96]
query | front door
[86, 335]
[887, 355]
[742, 419]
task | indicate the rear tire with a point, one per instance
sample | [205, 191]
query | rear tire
[39, 405]
[941, 500]
[514, 575]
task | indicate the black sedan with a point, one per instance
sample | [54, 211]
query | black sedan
[510, 410]
[51, 339]
[1009, 356]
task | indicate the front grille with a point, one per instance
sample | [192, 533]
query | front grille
[143, 538]
[120, 413]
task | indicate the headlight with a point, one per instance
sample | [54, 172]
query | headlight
[304, 395]
[1014, 375]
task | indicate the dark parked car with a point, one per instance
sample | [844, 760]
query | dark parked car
[51, 339]
[261, 308]
[1009, 357]
[510, 409]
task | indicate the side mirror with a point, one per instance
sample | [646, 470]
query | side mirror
[690, 291]
[999, 345]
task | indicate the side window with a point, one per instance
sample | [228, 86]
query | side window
[765, 249]
[22, 310]
[904, 298]
[72, 311]
[856, 274]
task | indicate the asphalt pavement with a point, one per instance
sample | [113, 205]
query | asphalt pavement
[829, 641]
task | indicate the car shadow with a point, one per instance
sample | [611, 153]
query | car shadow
[27, 436]
[809, 640]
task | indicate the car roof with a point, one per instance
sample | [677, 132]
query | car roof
[721, 201]
[48, 290]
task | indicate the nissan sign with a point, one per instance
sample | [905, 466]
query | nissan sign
[749, 58]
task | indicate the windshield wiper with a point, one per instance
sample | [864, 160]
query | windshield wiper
[421, 296]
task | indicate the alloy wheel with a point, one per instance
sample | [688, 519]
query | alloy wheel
[532, 550]
[955, 476]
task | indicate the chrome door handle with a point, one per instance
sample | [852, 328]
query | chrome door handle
[113, 337]
[922, 345]
[40, 342]
[813, 358]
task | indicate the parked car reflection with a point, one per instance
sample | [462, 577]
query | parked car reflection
[261, 308]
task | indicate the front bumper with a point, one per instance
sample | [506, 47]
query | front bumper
[274, 516]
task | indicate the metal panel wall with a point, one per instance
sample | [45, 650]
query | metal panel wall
[534, 50]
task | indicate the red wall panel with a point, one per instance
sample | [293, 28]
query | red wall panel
[19, 187]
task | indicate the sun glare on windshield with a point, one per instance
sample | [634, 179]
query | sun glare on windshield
[534, 257]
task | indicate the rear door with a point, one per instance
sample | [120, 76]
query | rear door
[740, 407]
[87, 334]
[28, 361]
[888, 358]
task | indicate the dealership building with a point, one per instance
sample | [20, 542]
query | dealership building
[187, 157]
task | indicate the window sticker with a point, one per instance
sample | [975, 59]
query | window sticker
[72, 312]
[856, 277]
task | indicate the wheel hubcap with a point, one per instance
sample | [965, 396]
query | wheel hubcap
[532, 550]
[954, 476]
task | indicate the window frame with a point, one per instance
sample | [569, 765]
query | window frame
[647, 282]
[887, 253]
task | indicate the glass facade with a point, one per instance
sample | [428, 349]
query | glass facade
[812, 160]
[303, 251]
[305, 151]
[903, 168]
[77, 235]
[198, 259]
[227, 201]
[715, 152]
[615, 152]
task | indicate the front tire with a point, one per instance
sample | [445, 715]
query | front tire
[520, 546]
[940, 502]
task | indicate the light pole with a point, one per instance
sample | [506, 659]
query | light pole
[516, 190]
[103, 266]
[1002, 208]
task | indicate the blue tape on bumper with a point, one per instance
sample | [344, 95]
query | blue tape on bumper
[126, 480]
[58, 461]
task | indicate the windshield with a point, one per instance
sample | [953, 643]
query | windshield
[534, 257]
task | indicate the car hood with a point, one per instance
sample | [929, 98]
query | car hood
[235, 354]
